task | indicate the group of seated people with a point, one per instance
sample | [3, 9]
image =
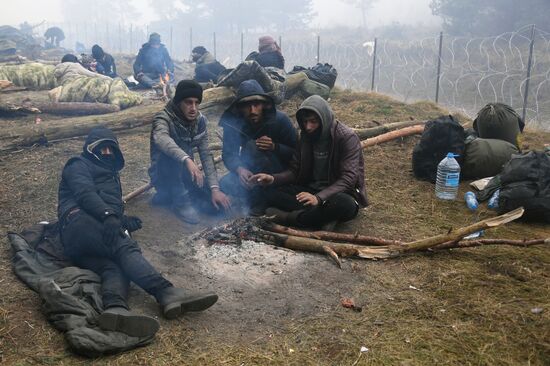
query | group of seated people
[305, 181]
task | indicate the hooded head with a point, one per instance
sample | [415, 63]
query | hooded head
[315, 106]
[154, 39]
[252, 102]
[97, 52]
[69, 57]
[186, 107]
[268, 44]
[197, 52]
[101, 147]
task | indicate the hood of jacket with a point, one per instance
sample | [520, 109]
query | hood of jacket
[248, 88]
[96, 137]
[206, 58]
[321, 108]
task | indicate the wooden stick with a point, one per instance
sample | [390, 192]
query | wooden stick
[407, 131]
[77, 108]
[365, 133]
[483, 242]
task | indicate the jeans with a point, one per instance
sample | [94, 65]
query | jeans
[117, 264]
[339, 207]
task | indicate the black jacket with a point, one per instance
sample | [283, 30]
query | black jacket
[89, 184]
[268, 59]
[108, 66]
[151, 60]
[237, 132]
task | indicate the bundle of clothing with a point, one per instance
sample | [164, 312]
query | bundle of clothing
[33, 75]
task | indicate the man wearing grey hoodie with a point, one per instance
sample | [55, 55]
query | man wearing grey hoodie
[326, 178]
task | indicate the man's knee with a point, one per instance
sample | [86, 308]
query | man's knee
[344, 206]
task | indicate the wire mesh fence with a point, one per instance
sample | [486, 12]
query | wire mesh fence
[474, 71]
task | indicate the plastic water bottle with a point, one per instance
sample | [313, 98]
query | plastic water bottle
[471, 200]
[493, 201]
[448, 176]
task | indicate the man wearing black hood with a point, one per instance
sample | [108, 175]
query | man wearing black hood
[207, 68]
[153, 62]
[95, 235]
[105, 62]
[177, 130]
[326, 178]
[256, 138]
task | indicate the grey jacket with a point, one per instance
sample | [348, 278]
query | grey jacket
[176, 138]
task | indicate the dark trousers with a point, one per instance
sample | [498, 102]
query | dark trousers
[82, 238]
[339, 207]
[175, 187]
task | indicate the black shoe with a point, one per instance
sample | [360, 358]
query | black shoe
[119, 319]
[187, 213]
[329, 226]
[257, 210]
[176, 301]
[283, 217]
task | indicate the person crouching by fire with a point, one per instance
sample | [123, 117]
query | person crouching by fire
[153, 63]
[179, 182]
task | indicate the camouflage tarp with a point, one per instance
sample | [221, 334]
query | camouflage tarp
[33, 75]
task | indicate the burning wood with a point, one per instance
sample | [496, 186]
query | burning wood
[163, 87]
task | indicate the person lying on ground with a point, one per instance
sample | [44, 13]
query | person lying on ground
[152, 63]
[326, 178]
[207, 68]
[105, 62]
[256, 138]
[95, 235]
[179, 183]
[269, 53]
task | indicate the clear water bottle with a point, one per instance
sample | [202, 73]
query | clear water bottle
[471, 200]
[493, 201]
[448, 176]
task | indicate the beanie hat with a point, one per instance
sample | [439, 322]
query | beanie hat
[69, 58]
[154, 38]
[187, 89]
[97, 52]
[199, 50]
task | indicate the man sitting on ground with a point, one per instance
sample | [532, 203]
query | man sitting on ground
[94, 233]
[152, 63]
[269, 53]
[207, 68]
[105, 62]
[326, 179]
[256, 138]
[177, 130]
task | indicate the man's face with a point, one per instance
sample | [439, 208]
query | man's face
[252, 111]
[311, 123]
[155, 45]
[189, 107]
[195, 56]
[106, 150]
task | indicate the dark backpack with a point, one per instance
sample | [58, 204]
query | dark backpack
[525, 181]
[322, 73]
[486, 157]
[440, 136]
[499, 121]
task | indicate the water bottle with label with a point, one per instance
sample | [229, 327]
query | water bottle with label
[448, 176]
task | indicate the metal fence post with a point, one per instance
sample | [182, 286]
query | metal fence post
[374, 63]
[242, 46]
[190, 40]
[281, 42]
[318, 48]
[215, 45]
[438, 67]
[171, 38]
[529, 65]
[119, 38]
[131, 37]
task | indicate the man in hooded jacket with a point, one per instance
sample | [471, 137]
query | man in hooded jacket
[256, 138]
[179, 183]
[105, 62]
[153, 62]
[207, 68]
[326, 178]
[95, 235]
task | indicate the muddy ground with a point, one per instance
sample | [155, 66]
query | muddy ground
[468, 306]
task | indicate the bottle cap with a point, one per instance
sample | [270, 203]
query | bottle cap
[452, 155]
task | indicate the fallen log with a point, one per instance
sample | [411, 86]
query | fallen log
[146, 187]
[25, 136]
[380, 252]
[365, 133]
[407, 131]
[9, 108]
[77, 108]
[483, 242]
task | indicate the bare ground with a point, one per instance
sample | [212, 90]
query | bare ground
[469, 306]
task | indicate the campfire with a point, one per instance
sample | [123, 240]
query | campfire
[163, 89]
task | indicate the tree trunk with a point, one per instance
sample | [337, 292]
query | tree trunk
[77, 108]
[365, 133]
[10, 108]
[407, 131]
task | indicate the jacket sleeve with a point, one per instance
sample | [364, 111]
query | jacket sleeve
[138, 63]
[207, 161]
[168, 61]
[113, 66]
[351, 157]
[230, 148]
[289, 176]
[287, 140]
[165, 143]
[82, 186]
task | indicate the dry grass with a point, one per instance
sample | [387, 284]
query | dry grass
[470, 307]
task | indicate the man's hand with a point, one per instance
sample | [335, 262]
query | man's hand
[265, 143]
[220, 199]
[196, 174]
[307, 199]
[111, 229]
[244, 177]
[132, 223]
[262, 179]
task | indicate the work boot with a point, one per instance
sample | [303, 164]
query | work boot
[176, 301]
[119, 319]
[283, 217]
[187, 213]
[329, 226]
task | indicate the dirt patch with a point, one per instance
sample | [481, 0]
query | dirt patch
[279, 307]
